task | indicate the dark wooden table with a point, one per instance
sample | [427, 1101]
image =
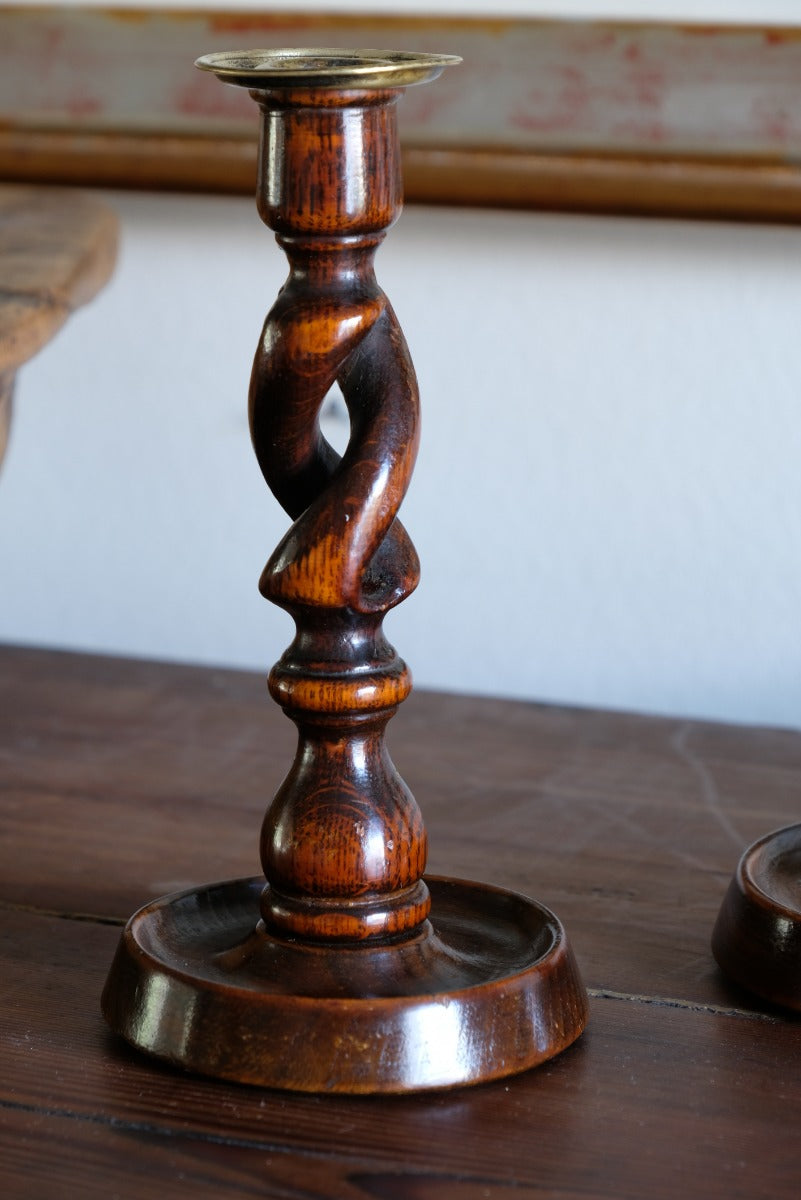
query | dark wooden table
[120, 781]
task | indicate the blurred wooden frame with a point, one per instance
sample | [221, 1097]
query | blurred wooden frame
[589, 116]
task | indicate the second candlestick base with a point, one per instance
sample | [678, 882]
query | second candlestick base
[757, 936]
[487, 987]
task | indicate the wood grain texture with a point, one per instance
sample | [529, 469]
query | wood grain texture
[654, 1101]
[343, 844]
[116, 776]
[628, 826]
[333, 971]
[57, 249]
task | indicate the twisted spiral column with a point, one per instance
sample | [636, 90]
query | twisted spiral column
[343, 845]
[330, 977]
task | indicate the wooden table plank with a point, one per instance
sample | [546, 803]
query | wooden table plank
[652, 1101]
[121, 781]
[92, 1160]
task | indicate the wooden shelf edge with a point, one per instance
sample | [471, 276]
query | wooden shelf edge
[128, 160]
[745, 189]
[753, 190]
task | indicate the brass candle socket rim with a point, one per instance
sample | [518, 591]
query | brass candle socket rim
[325, 67]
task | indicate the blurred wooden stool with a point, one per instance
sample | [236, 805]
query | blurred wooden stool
[57, 250]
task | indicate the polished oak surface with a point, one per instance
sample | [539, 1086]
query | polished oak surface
[124, 780]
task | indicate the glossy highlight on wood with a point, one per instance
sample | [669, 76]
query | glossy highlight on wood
[390, 1017]
[757, 936]
[111, 757]
[339, 973]
[343, 844]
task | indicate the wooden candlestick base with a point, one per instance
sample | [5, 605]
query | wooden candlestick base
[757, 936]
[486, 988]
[343, 969]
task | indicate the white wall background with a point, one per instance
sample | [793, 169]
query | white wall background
[607, 503]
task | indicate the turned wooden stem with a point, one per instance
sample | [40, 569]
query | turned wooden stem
[330, 977]
[343, 844]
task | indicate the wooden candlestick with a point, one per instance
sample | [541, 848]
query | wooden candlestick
[346, 970]
[757, 936]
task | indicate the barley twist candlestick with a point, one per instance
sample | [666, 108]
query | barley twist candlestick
[345, 970]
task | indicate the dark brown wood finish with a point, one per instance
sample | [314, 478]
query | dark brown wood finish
[683, 1084]
[343, 844]
[639, 1068]
[338, 973]
[645, 818]
[757, 936]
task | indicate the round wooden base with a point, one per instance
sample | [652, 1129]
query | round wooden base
[757, 937]
[486, 988]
